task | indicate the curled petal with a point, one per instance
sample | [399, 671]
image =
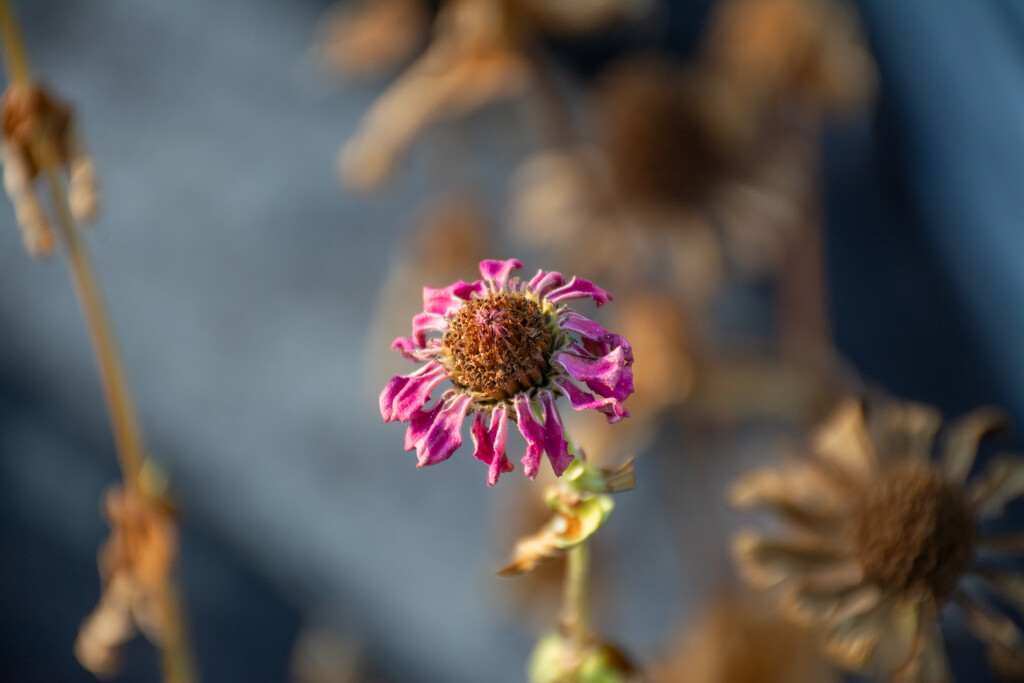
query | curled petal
[406, 394]
[444, 301]
[426, 322]
[960, 446]
[596, 339]
[543, 282]
[408, 349]
[542, 437]
[437, 433]
[610, 376]
[583, 400]
[490, 443]
[498, 271]
[1000, 483]
[578, 289]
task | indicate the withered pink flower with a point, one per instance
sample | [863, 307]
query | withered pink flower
[510, 348]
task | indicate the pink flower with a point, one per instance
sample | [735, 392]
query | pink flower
[510, 349]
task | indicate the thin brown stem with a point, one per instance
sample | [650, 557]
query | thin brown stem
[15, 55]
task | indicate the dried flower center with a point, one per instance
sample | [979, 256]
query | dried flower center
[914, 530]
[498, 346]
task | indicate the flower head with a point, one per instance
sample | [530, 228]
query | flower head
[510, 349]
[885, 537]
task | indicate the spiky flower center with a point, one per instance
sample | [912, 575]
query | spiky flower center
[498, 346]
[914, 530]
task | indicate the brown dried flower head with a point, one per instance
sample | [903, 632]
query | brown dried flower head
[36, 133]
[883, 537]
[135, 567]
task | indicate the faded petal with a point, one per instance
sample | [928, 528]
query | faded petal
[809, 607]
[766, 563]
[544, 282]
[437, 433]
[1001, 482]
[542, 437]
[444, 301]
[610, 376]
[578, 289]
[409, 350]
[490, 443]
[960, 447]
[583, 400]
[499, 271]
[406, 394]
[843, 441]
[427, 322]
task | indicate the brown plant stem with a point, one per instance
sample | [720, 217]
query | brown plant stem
[174, 645]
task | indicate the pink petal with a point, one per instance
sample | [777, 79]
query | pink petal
[610, 375]
[490, 444]
[437, 433]
[409, 350]
[405, 394]
[426, 322]
[583, 400]
[498, 271]
[577, 289]
[543, 282]
[444, 301]
[602, 341]
[547, 437]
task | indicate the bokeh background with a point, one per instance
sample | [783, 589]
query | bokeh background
[243, 282]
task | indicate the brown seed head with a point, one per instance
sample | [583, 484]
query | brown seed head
[498, 345]
[914, 530]
[30, 114]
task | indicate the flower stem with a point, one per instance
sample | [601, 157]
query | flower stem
[574, 609]
[174, 645]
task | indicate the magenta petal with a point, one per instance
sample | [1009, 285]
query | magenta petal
[577, 289]
[437, 433]
[490, 444]
[609, 376]
[602, 340]
[581, 400]
[405, 394]
[542, 437]
[426, 322]
[444, 301]
[498, 271]
[409, 350]
[543, 282]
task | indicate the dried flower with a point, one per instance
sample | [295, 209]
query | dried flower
[135, 566]
[363, 38]
[37, 132]
[509, 349]
[884, 537]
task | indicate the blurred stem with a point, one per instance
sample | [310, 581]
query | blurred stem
[174, 646]
[574, 610]
[15, 55]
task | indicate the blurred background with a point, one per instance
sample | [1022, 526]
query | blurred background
[255, 295]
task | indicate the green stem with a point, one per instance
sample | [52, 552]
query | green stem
[574, 609]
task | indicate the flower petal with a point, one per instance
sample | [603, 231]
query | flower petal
[960, 446]
[610, 376]
[408, 349]
[490, 443]
[427, 322]
[542, 437]
[601, 341]
[437, 433]
[444, 301]
[1001, 482]
[543, 282]
[405, 394]
[582, 400]
[578, 289]
[498, 271]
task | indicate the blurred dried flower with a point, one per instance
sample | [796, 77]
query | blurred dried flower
[366, 37]
[884, 537]
[736, 641]
[805, 52]
[478, 55]
[37, 132]
[135, 567]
